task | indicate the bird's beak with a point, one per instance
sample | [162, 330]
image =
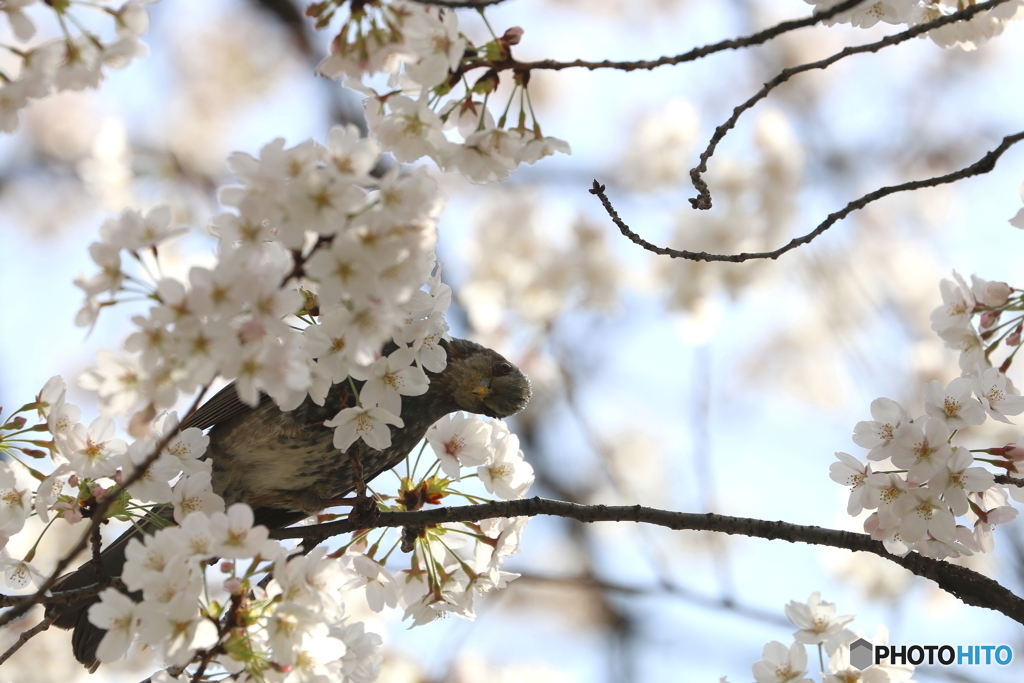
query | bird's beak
[483, 390]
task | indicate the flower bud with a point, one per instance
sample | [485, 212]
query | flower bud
[513, 35]
[995, 294]
[15, 423]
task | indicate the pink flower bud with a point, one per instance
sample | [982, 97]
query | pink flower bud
[513, 35]
[1014, 452]
[996, 294]
[233, 585]
[1013, 339]
[97, 491]
[73, 480]
[989, 318]
[226, 566]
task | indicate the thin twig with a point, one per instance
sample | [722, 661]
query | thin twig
[27, 636]
[968, 586]
[458, 4]
[66, 597]
[703, 199]
[980, 167]
[100, 510]
[696, 53]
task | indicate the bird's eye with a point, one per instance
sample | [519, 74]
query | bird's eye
[502, 368]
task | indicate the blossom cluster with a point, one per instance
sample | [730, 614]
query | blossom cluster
[295, 629]
[451, 564]
[819, 625]
[315, 274]
[426, 57]
[74, 62]
[929, 482]
[967, 35]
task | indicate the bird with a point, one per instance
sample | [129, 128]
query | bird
[285, 466]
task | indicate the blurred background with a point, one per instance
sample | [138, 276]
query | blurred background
[695, 387]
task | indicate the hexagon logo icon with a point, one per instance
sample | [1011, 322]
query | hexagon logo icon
[862, 654]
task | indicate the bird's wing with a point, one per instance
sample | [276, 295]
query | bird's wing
[224, 405]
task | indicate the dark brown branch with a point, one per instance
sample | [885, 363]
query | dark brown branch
[457, 4]
[703, 199]
[97, 519]
[980, 167]
[27, 636]
[691, 56]
[968, 586]
[66, 597]
[1007, 480]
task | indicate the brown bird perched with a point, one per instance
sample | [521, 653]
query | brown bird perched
[285, 466]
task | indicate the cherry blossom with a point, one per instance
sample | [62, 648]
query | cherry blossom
[116, 613]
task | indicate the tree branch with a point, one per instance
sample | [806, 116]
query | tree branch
[66, 597]
[703, 199]
[458, 4]
[27, 636]
[1007, 480]
[980, 167]
[691, 56]
[968, 586]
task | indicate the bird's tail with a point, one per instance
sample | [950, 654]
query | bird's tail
[86, 637]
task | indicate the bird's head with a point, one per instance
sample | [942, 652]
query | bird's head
[482, 381]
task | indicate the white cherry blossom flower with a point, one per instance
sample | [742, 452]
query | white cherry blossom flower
[817, 621]
[93, 452]
[310, 580]
[957, 305]
[390, 378]
[879, 433]
[368, 424]
[287, 627]
[361, 662]
[412, 130]
[997, 395]
[507, 475]
[154, 484]
[921, 512]
[176, 628]
[958, 479]
[49, 489]
[459, 440]
[144, 559]
[234, 534]
[955, 405]
[781, 664]
[380, 587]
[19, 573]
[922, 448]
[194, 493]
[15, 500]
[434, 39]
[117, 379]
[116, 613]
[851, 472]
[969, 344]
